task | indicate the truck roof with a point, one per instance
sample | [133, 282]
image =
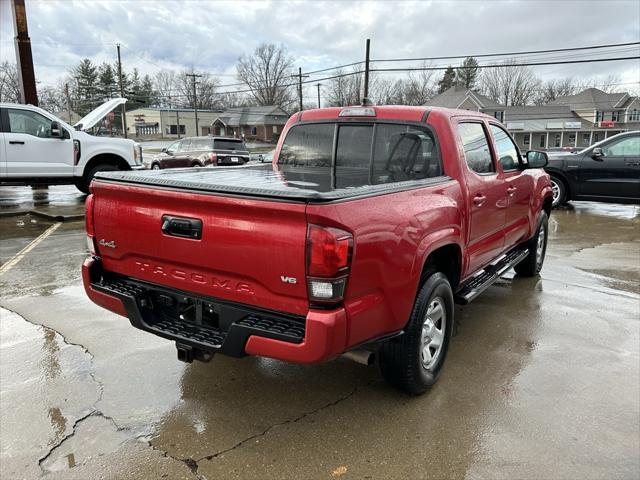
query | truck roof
[387, 112]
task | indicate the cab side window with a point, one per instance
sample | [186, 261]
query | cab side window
[476, 148]
[507, 151]
[31, 123]
[627, 147]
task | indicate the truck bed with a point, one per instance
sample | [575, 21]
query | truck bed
[288, 183]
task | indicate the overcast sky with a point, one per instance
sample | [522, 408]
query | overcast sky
[210, 36]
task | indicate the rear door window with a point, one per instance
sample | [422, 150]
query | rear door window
[185, 145]
[476, 147]
[202, 144]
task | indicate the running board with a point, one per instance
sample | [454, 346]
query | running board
[488, 275]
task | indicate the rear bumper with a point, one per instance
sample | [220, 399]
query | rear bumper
[247, 331]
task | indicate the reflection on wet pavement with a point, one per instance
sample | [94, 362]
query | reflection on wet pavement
[542, 381]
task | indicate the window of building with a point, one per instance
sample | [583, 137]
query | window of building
[498, 115]
[596, 137]
[476, 147]
[599, 116]
[634, 115]
[30, 123]
[558, 139]
[572, 138]
[526, 140]
[543, 138]
[173, 129]
[629, 146]
[254, 131]
[508, 155]
[615, 116]
[274, 129]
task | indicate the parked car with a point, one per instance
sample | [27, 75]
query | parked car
[267, 157]
[38, 148]
[201, 152]
[607, 171]
[372, 222]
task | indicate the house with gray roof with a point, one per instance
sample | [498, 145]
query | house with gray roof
[262, 123]
[574, 121]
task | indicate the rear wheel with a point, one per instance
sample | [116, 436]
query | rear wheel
[537, 245]
[83, 183]
[559, 190]
[413, 361]
[155, 166]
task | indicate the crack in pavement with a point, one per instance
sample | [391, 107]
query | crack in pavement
[194, 464]
[94, 412]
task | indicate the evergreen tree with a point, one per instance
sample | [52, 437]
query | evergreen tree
[448, 79]
[107, 81]
[467, 75]
[85, 77]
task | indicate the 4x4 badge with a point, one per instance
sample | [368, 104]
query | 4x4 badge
[110, 244]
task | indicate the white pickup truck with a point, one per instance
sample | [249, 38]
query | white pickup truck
[39, 148]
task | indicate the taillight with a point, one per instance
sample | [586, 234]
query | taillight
[328, 260]
[88, 224]
[213, 157]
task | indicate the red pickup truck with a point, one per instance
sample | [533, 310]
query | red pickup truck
[358, 239]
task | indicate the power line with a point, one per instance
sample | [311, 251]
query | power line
[503, 54]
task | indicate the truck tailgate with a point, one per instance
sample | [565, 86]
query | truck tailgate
[250, 251]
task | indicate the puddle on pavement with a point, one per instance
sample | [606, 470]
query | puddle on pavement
[26, 197]
[42, 379]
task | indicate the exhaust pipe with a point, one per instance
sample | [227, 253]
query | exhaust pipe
[363, 357]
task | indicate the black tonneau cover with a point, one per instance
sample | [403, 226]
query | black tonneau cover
[287, 183]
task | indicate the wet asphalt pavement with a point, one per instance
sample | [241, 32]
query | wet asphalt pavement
[542, 379]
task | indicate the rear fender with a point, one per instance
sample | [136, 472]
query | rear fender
[451, 235]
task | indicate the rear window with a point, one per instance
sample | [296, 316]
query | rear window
[364, 154]
[229, 145]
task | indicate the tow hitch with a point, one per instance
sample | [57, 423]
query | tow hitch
[188, 354]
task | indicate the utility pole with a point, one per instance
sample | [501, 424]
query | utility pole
[195, 99]
[26, 75]
[366, 73]
[66, 94]
[300, 77]
[124, 111]
[318, 85]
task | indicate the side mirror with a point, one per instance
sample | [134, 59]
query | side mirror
[597, 154]
[56, 130]
[536, 159]
[164, 150]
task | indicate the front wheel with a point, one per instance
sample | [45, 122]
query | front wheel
[413, 361]
[559, 190]
[83, 183]
[537, 245]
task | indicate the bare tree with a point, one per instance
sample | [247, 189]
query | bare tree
[608, 84]
[346, 88]
[9, 85]
[206, 91]
[52, 98]
[510, 84]
[550, 90]
[268, 74]
[165, 83]
[420, 86]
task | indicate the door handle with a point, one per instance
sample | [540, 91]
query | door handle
[182, 227]
[479, 200]
[16, 142]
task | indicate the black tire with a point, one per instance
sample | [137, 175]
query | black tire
[156, 166]
[401, 359]
[84, 182]
[195, 165]
[532, 263]
[559, 191]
